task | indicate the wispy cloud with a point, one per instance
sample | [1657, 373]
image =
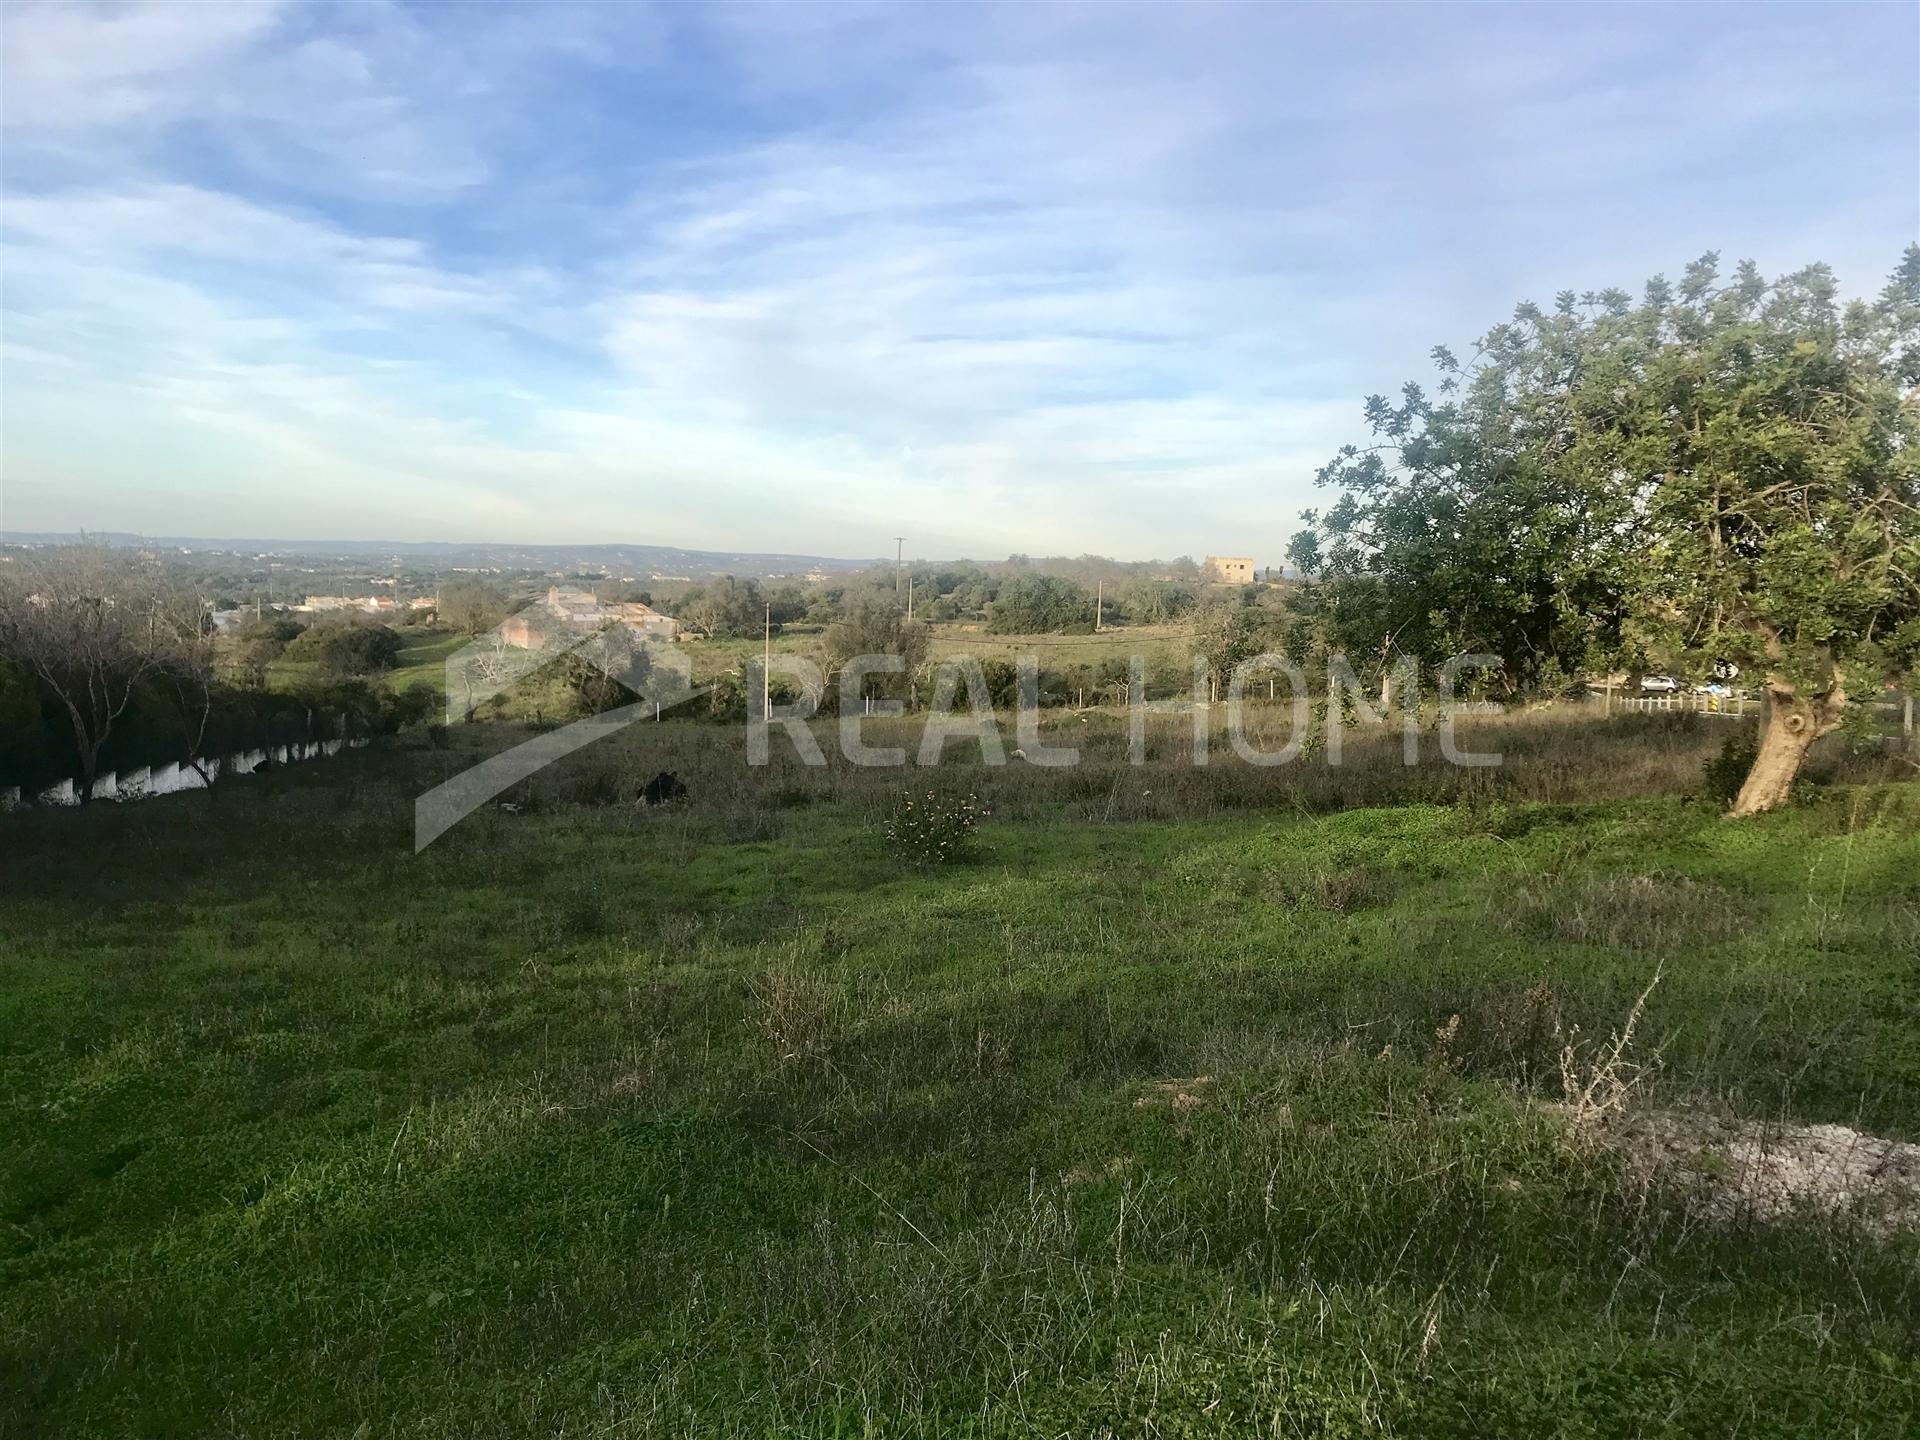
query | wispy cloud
[807, 276]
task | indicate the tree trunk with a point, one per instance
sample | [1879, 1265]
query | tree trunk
[89, 772]
[1793, 722]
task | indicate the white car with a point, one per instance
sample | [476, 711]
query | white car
[1661, 682]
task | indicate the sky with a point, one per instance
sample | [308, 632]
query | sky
[804, 277]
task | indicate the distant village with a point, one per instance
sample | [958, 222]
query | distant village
[568, 608]
[371, 604]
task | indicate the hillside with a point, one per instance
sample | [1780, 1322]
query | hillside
[721, 1119]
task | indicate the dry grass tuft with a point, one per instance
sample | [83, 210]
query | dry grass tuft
[1630, 912]
[1596, 1082]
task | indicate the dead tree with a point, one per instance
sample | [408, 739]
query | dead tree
[90, 627]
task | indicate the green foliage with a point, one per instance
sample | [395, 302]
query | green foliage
[1230, 636]
[726, 698]
[606, 672]
[1156, 602]
[1456, 535]
[252, 648]
[1722, 471]
[726, 608]
[1727, 771]
[346, 648]
[1039, 605]
[875, 623]
[405, 709]
[1766, 436]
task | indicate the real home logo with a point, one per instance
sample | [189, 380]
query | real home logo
[656, 672]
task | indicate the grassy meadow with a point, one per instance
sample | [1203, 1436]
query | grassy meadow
[1158, 645]
[424, 651]
[1194, 1101]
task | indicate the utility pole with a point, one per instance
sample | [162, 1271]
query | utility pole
[1099, 594]
[766, 666]
[898, 562]
[909, 599]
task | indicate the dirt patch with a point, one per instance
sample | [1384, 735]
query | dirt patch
[1114, 1169]
[1179, 1094]
[1739, 1169]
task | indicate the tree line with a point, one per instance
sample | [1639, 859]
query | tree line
[108, 663]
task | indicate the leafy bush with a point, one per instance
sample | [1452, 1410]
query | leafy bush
[1727, 771]
[1038, 605]
[346, 648]
[933, 829]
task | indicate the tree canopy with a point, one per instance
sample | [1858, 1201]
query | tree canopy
[473, 606]
[875, 624]
[1038, 605]
[346, 647]
[1725, 470]
[725, 607]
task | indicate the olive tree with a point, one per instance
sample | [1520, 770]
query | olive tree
[1723, 471]
[1767, 437]
[873, 623]
[472, 606]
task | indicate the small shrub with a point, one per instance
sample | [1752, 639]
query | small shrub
[1727, 771]
[1340, 889]
[1597, 1080]
[438, 736]
[933, 829]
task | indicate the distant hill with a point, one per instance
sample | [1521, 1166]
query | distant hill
[638, 560]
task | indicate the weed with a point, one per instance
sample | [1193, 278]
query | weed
[1597, 1081]
[933, 829]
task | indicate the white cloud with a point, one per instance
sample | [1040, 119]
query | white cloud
[1034, 278]
[86, 66]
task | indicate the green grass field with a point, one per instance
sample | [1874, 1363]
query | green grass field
[1147, 1120]
[423, 660]
[1154, 643]
[1158, 645]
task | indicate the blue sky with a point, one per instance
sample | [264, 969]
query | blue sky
[806, 276]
